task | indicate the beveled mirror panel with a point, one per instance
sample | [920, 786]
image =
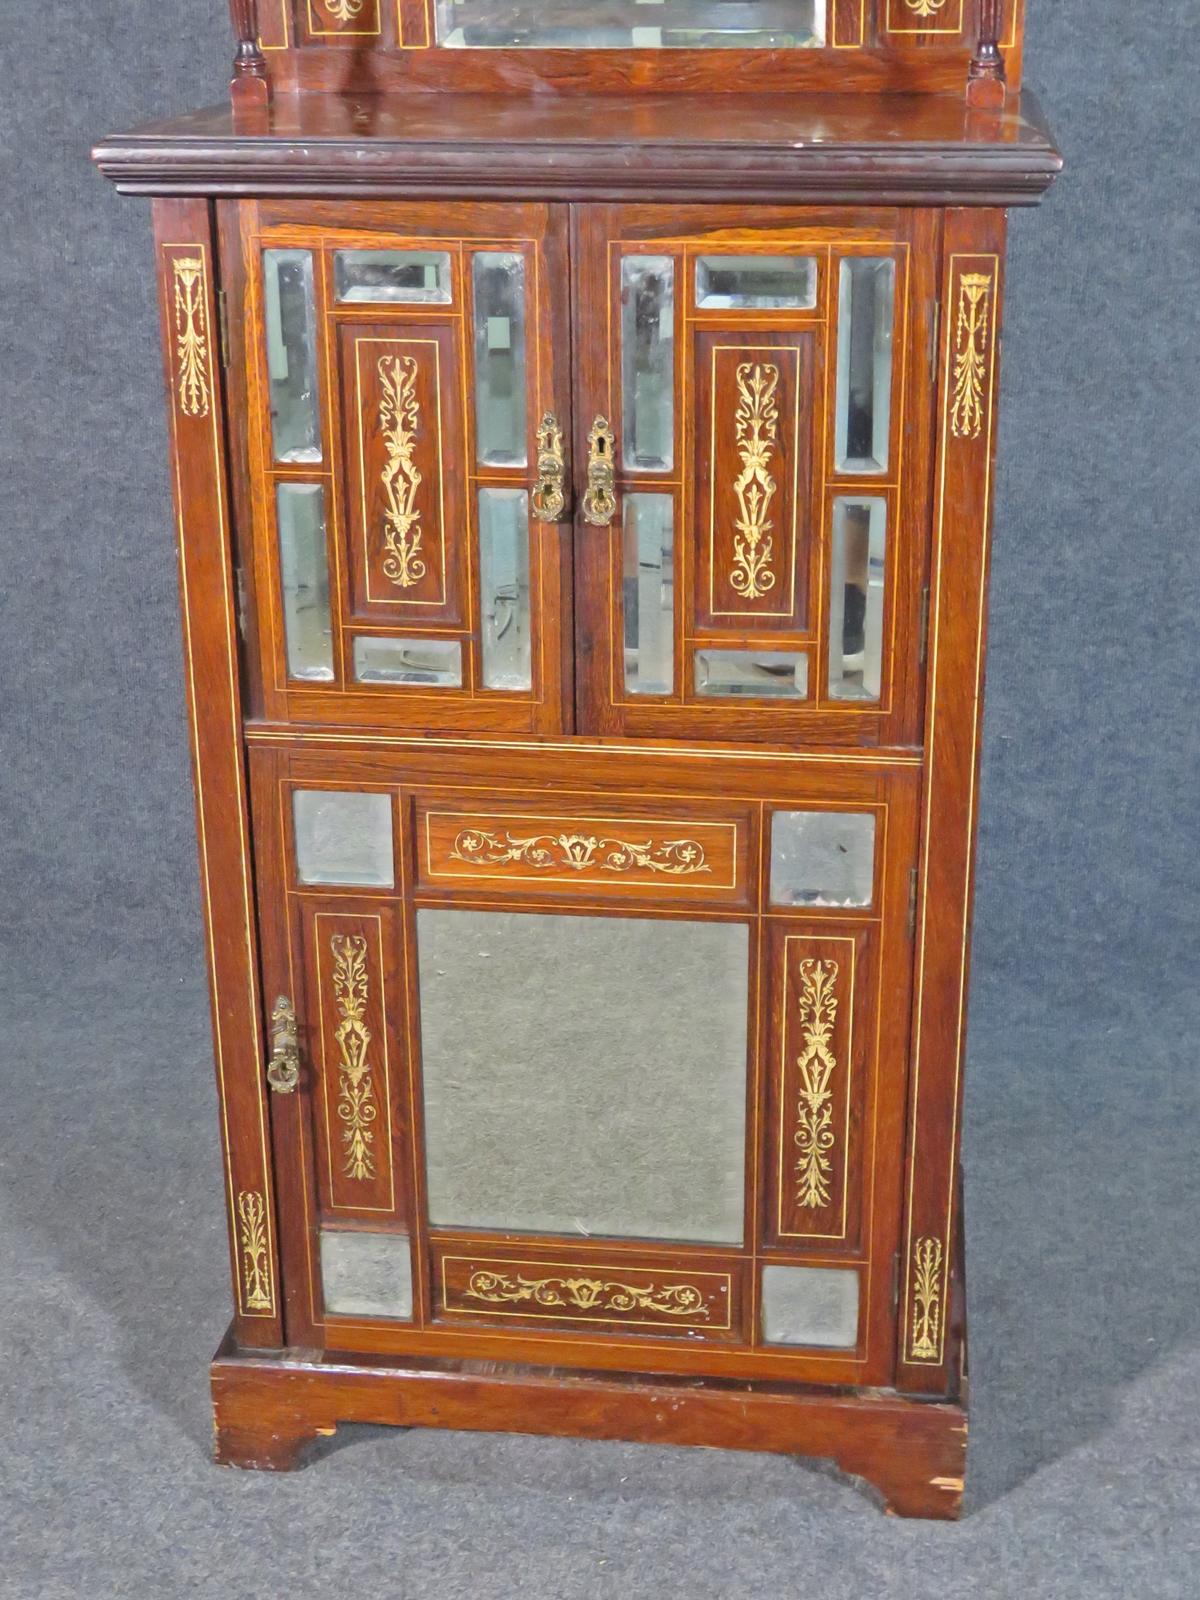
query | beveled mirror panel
[862, 423]
[343, 837]
[584, 1075]
[304, 574]
[290, 320]
[815, 1306]
[648, 593]
[822, 858]
[632, 25]
[367, 1274]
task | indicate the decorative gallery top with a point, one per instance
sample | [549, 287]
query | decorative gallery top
[750, 46]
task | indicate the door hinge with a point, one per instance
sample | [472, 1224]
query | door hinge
[912, 901]
[923, 628]
[239, 580]
[935, 328]
[896, 1280]
[223, 326]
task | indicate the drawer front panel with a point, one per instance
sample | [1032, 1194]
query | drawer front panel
[565, 851]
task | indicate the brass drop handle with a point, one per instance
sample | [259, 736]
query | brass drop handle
[600, 501]
[283, 1069]
[549, 497]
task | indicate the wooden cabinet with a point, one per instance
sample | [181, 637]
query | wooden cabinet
[583, 511]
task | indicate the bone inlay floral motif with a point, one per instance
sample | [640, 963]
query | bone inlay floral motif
[814, 1135]
[252, 1237]
[579, 852]
[925, 8]
[757, 425]
[357, 1109]
[400, 416]
[595, 1295]
[191, 336]
[971, 334]
[927, 1300]
[344, 10]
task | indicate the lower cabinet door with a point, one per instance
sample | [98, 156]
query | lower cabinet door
[588, 1056]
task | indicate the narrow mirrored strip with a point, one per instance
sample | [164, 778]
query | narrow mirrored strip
[866, 298]
[648, 363]
[498, 277]
[822, 858]
[343, 837]
[304, 573]
[406, 277]
[752, 283]
[648, 597]
[386, 659]
[291, 329]
[752, 674]
[856, 598]
[507, 642]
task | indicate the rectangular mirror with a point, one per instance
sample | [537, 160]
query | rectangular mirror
[856, 596]
[613, 1103]
[507, 644]
[863, 417]
[343, 837]
[648, 593]
[810, 1305]
[498, 277]
[402, 277]
[304, 575]
[366, 1274]
[648, 363]
[632, 25]
[387, 659]
[752, 674]
[754, 283]
[291, 329]
[822, 858]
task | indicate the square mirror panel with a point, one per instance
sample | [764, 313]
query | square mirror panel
[584, 1075]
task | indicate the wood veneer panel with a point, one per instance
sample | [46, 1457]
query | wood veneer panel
[972, 265]
[186, 252]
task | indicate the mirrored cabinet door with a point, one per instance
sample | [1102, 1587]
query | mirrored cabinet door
[757, 572]
[603, 1065]
[406, 384]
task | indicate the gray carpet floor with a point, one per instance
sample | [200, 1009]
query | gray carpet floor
[1084, 1274]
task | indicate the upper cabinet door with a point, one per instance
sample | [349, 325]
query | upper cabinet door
[753, 425]
[407, 389]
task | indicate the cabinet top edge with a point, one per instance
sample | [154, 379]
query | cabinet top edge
[898, 149]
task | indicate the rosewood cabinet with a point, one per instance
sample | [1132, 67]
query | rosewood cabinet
[583, 499]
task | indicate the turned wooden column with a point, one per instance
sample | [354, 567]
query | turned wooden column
[986, 85]
[250, 88]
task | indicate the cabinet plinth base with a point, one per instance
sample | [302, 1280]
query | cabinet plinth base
[270, 1408]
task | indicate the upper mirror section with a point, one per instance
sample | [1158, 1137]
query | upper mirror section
[631, 24]
[696, 46]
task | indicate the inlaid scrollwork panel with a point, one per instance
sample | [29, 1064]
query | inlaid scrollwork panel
[403, 428]
[925, 17]
[328, 19]
[351, 1050]
[607, 1290]
[753, 451]
[585, 851]
[819, 1011]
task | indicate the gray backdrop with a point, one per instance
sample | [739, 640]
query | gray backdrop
[1082, 1180]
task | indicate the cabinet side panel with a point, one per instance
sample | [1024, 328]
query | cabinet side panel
[186, 255]
[972, 273]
